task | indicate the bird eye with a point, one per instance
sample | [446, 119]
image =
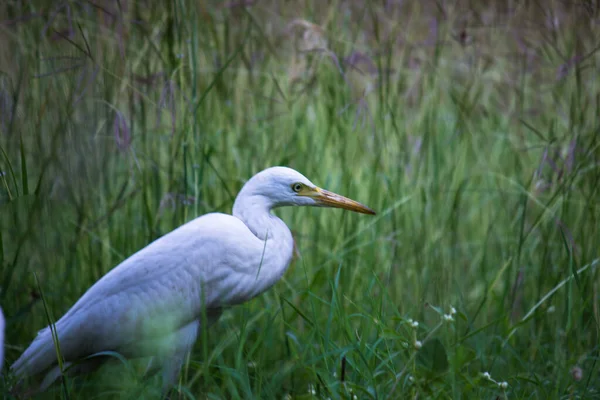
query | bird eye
[296, 187]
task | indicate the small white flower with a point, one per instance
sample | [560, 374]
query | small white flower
[410, 378]
[551, 309]
[487, 375]
[448, 317]
[452, 310]
[414, 324]
[503, 385]
[418, 344]
[577, 373]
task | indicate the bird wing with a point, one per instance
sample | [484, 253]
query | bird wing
[162, 287]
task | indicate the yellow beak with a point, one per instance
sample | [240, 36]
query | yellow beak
[330, 199]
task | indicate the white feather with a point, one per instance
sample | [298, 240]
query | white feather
[153, 302]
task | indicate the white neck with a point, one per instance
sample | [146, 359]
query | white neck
[253, 205]
[255, 212]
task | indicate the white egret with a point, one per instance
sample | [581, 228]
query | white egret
[152, 304]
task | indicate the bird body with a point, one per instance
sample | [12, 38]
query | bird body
[152, 304]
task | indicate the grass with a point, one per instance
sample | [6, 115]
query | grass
[471, 128]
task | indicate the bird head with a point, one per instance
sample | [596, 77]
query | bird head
[284, 186]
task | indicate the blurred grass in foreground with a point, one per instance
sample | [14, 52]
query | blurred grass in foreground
[471, 127]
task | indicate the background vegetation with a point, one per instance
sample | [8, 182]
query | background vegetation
[471, 127]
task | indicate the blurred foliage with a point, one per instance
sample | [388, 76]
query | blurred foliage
[471, 127]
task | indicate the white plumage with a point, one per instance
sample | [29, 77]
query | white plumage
[152, 303]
